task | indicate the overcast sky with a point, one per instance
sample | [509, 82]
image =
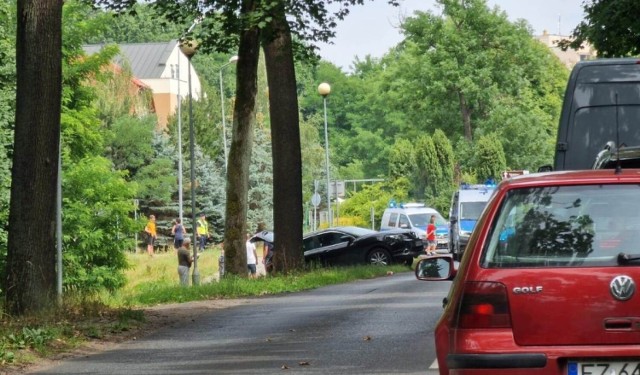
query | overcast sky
[371, 29]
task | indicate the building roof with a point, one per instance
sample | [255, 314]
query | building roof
[147, 60]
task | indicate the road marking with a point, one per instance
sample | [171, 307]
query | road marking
[434, 365]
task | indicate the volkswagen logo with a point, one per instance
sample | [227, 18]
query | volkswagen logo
[622, 287]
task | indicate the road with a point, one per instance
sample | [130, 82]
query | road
[379, 326]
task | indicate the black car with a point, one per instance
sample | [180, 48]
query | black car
[353, 245]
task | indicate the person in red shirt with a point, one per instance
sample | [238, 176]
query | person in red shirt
[431, 236]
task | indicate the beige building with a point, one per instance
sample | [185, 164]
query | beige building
[569, 57]
[163, 68]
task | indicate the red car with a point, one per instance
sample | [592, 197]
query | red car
[548, 283]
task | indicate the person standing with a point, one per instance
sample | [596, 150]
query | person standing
[431, 236]
[252, 257]
[267, 256]
[184, 261]
[150, 230]
[202, 232]
[179, 233]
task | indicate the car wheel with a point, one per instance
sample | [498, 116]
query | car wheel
[408, 262]
[379, 257]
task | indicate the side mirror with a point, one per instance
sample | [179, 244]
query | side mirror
[437, 268]
[545, 168]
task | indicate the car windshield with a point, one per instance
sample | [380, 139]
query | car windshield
[357, 232]
[422, 219]
[564, 226]
[471, 210]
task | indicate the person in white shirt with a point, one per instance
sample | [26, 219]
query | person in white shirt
[252, 258]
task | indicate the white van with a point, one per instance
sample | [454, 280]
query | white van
[416, 216]
[467, 204]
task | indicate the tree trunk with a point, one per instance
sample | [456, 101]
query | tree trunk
[241, 145]
[285, 135]
[30, 283]
[466, 116]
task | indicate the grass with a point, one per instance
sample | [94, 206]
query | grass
[151, 281]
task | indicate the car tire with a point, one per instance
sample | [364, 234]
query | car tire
[408, 262]
[379, 257]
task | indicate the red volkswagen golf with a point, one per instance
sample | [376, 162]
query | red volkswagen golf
[547, 283]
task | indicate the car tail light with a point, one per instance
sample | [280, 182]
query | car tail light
[484, 305]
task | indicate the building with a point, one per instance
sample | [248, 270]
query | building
[163, 68]
[569, 57]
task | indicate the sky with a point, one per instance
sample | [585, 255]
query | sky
[372, 29]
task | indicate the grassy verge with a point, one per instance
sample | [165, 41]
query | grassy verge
[151, 281]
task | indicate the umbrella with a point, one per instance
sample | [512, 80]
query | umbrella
[265, 235]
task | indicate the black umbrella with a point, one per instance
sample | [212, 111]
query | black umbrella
[265, 235]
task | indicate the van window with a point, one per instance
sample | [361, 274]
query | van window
[404, 222]
[393, 217]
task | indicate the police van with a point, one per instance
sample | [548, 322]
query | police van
[467, 204]
[416, 216]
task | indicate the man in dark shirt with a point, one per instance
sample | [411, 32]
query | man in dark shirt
[185, 259]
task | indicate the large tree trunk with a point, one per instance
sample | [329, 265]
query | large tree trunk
[31, 263]
[241, 145]
[285, 135]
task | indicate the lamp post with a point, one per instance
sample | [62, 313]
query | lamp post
[232, 60]
[180, 200]
[188, 47]
[324, 89]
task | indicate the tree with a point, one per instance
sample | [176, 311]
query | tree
[612, 27]
[489, 159]
[30, 282]
[235, 226]
[285, 131]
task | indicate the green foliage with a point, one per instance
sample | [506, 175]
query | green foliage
[428, 171]
[234, 287]
[129, 145]
[489, 159]
[98, 228]
[376, 196]
[142, 24]
[34, 338]
[402, 159]
[7, 110]
[612, 27]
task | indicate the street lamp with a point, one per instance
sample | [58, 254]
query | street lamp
[324, 89]
[180, 215]
[232, 60]
[189, 47]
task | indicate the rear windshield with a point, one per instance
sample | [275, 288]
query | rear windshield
[567, 226]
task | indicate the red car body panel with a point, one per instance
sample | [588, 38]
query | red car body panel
[556, 313]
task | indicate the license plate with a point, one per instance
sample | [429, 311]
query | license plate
[604, 368]
[419, 243]
[442, 241]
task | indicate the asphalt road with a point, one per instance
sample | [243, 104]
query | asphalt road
[380, 326]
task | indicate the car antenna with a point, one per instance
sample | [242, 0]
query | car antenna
[618, 164]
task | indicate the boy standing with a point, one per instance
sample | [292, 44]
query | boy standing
[431, 236]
